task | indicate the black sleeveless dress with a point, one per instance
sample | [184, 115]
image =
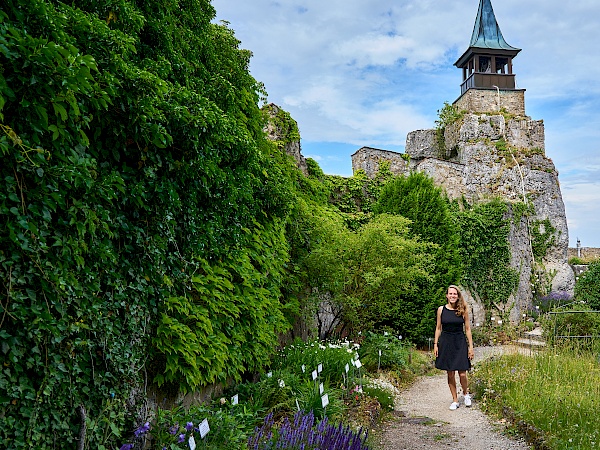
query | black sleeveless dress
[453, 352]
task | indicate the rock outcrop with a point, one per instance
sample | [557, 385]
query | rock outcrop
[283, 130]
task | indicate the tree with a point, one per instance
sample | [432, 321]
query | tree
[376, 269]
[417, 198]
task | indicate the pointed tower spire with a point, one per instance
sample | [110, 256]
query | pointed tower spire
[487, 63]
[486, 32]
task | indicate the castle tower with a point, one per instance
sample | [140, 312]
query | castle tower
[487, 66]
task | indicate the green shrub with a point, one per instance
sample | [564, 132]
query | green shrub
[587, 287]
[394, 352]
[577, 327]
[576, 261]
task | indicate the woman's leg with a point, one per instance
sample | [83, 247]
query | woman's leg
[464, 381]
[452, 385]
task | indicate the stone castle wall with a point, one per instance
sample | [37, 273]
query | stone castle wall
[491, 100]
[368, 159]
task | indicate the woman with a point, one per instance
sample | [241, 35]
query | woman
[450, 345]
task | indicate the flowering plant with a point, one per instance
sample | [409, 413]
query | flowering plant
[303, 433]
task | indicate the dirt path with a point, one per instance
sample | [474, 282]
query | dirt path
[425, 422]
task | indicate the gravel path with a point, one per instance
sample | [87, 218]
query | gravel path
[425, 422]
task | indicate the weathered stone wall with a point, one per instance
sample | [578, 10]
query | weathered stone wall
[488, 100]
[368, 159]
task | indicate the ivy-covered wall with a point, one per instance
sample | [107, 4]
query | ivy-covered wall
[142, 214]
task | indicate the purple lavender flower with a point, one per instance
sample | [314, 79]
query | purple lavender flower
[143, 429]
[302, 433]
[174, 429]
[126, 447]
[181, 438]
[189, 426]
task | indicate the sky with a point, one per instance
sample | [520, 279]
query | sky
[357, 73]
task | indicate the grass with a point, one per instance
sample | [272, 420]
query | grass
[553, 396]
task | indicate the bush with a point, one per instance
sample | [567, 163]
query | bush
[394, 353]
[333, 356]
[575, 261]
[587, 287]
[578, 327]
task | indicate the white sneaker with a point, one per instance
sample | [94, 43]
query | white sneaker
[454, 406]
[468, 400]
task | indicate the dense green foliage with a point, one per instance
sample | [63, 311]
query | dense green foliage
[587, 287]
[432, 220]
[140, 197]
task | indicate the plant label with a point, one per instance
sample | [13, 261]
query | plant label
[325, 400]
[321, 388]
[235, 399]
[192, 443]
[358, 364]
[320, 368]
[314, 374]
[347, 368]
[303, 368]
[204, 428]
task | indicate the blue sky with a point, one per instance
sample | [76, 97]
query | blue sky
[357, 73]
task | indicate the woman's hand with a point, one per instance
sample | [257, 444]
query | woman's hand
[435, 350]
[471, 353]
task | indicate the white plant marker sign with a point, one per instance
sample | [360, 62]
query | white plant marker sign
[314, 374]
[358, 364]
[347, 368]
[303, 368]
[235, 399]
[321, 389]
[325, 400]
[192, 443]
[320, 368]
[204, 428]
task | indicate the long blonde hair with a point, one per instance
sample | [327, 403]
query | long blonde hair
[461, 305]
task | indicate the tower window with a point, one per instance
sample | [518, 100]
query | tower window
[501, 65]
[485, 64]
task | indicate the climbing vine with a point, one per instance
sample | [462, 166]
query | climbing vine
[485, 251]
[543, 236]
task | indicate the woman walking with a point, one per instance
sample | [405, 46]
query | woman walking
[452, 332]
